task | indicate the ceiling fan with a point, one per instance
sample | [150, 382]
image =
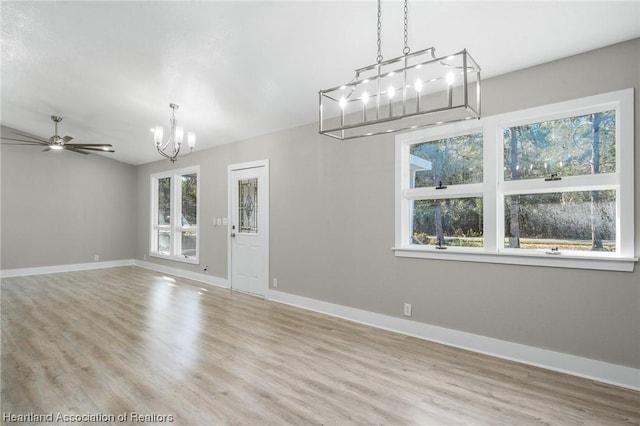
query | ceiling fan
[56, 142]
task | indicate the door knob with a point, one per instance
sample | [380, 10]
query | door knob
[233, 235]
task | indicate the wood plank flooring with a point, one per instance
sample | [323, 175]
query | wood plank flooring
[128, 340]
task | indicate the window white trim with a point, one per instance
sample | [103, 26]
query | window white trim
[494, 187]
[176, 212]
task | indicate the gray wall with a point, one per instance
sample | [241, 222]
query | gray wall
[61, 208]
[332, 229]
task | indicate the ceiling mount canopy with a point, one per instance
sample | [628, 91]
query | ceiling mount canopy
[176, 137]
[410, 91]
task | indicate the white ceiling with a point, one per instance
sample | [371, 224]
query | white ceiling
[240, 69]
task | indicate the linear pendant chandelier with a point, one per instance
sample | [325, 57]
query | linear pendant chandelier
[411, 91]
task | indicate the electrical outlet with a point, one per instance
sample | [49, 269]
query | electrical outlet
[407, 309]
[275, 283]
[96, 257]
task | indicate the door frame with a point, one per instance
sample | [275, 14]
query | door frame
[264, 197]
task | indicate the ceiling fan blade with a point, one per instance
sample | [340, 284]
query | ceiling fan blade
[93, 145]
[75, 150]
[25, 142]
[21, 144]
[66, 139]
[100, 147]
[92, 149]
[39, 139]
[46, 149]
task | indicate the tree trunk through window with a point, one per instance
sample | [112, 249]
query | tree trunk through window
[514, 229]
[596, 237]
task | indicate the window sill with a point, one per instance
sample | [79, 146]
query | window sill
[192, 260]
[625, 264]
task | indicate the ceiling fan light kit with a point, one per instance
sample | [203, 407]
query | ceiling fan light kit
[58, 143]
[411, 91]
[175, 140]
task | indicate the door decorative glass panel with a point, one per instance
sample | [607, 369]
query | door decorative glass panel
[248, 205]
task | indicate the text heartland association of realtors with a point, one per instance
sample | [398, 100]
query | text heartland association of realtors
[131, 417]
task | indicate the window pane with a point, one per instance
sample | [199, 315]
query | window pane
[164, 241]
[189, 244]
[450, 222]
[571, 146]
[579, 221]
[189, 199]
[248, 205]
[164, 201]
[455, 160]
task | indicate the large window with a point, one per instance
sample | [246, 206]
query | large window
[549, 186]
[174, 214]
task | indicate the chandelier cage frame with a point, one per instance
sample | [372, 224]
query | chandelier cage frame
[411, 91]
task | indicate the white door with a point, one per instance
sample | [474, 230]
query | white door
[249, 227]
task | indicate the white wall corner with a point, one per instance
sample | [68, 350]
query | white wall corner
[600, 371]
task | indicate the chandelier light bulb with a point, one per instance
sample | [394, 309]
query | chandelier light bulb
[390, 92]
[343, 102]
[365, 97]
[191, 139]
[418, 85]
[450, 78]
[179, 135]
[158, 134]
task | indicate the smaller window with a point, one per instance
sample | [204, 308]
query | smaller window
[174, 213]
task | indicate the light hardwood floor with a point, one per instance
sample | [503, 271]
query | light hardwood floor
[124, 340]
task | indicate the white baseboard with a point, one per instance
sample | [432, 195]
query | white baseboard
[196, 276]
[600, 371]
[204, 278]
[7, 273]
